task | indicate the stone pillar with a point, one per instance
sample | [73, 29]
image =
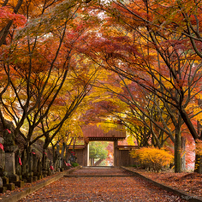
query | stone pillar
[29, 170]
[116, 153]
[35, 163]
[58, 148]
[10, 162]
[44, 164]
[61, 164]
[31, 156]
[10, 166]
[2, 166]
[1, 182]
[57, 162]
[51, 168]
[39, 169]
[24, 163]
[10, 149]
[44, 158]
[18, 164]
[2, 158]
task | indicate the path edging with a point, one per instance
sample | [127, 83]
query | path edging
[17, 196]
[183, 195]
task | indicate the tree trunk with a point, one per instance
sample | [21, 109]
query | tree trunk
[28, 158]
[92, 162]
[53, 151]
[177, 152]
[198, 164]
[67, 149]
[63, 150]
[198, 161]
[183, 146]
[189, 124]
[97, 163]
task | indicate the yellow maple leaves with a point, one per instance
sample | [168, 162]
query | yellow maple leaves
[152, 158]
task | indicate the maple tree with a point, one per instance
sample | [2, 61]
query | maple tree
[160, 61]
[9, 16]
[137, 111]
[52, 63]
[171, 45]
[97, 151]
[64, 64]
[44, 80]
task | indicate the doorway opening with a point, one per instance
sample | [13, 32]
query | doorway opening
[101, 153]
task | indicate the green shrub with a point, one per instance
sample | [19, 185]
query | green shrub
[135, 166]
[74, 164]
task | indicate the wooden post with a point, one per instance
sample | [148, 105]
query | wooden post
[116, 153]
[87, 154]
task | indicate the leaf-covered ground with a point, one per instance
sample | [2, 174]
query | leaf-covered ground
[97, 189]
[187, 182]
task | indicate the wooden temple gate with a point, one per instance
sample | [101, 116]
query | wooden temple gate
[94, 133]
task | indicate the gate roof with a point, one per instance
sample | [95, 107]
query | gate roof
[93, 133]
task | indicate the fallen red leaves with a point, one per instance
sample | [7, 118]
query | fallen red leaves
[27, 185]
[95, 189]
[187, 182]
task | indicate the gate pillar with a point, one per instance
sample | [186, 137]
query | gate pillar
[116, 153]
[88, 154]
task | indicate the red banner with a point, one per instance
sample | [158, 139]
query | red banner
[20, 162]
[2, 147]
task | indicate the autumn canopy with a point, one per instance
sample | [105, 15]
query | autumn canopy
[69, 63]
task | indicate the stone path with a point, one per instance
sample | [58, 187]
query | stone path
[100, 172]
[91, 189]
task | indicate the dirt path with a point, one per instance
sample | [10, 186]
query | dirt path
[96, 189]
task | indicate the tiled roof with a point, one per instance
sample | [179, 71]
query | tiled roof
[93, 132]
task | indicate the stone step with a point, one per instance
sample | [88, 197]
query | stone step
[98, 175]
[3, 189]
[19, 183]
[98, 167]
[10, 186]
